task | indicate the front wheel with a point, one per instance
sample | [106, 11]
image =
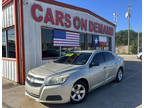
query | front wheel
[78, 92]
[119, 75]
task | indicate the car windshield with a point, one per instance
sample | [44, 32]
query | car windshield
[75, 58]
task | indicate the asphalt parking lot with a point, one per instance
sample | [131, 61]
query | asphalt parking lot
[126, 94]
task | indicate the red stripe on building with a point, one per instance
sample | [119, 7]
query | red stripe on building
[17, 41]
[6, 2]
[22, 40]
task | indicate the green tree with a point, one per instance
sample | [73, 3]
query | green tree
[122, 39]
[133, 47]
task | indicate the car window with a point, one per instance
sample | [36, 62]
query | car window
[108, 56]
[82, 59]
[98, 58]
[74, 58]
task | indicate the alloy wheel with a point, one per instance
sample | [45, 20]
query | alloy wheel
[78, 92]
[120, 75]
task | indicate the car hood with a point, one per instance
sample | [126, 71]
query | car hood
[53, 68]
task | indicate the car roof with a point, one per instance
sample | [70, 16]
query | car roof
[86, 51]
[92, 51]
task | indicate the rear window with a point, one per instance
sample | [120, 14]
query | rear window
[108, 56]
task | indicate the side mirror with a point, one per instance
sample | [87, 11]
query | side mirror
[94, 64]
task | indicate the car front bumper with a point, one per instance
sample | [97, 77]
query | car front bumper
[49, 94]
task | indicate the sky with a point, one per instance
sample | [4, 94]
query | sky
[106, 8]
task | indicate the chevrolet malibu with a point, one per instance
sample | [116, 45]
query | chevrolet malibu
[71, 77]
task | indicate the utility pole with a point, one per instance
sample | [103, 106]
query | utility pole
[115, 22]
[138, 38]
[127, 15]
[115, 18]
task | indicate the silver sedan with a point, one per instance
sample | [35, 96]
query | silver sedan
[72, 76]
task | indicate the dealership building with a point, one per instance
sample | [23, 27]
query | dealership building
[35, 32]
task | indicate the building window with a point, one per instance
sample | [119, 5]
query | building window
[90, 47]
[105, 43]
[3, 43]
[99, 42]
[82, 46]
[8, 43]
[82, 41]
[11, 43]
[48, 50]
[110, 43]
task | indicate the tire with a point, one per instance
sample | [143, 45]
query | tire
[119, 76]
[78, 92]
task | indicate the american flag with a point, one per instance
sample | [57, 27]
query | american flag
[63, 38]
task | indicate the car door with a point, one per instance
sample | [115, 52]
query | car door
[110, 66]
[97, 72]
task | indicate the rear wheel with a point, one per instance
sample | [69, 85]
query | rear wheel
[119, 75]
[78, 92]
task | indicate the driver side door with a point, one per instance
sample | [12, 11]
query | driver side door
[97, 72]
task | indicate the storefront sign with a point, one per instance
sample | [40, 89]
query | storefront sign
[65, 20]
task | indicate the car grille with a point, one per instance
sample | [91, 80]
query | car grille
[34, 81]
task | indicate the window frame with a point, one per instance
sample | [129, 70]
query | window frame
[6, 36]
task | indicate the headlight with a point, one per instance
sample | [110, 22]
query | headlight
[55, 80]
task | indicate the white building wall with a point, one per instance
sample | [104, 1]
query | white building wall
[8, 15]
[32, 41]
[9, 70]
[8, 66]
[32, 31]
